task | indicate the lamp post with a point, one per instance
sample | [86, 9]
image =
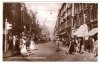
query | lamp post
[22, 16]
[6, 35]
[7, 27]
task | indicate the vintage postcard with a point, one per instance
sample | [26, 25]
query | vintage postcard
[58, 31]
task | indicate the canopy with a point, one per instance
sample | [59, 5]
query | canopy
[63, 33]
[81, 31]
[92, 32]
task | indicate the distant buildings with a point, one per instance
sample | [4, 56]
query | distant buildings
[73, 15]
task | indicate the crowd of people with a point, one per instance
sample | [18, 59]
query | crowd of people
[21, 45]
[78, 44]
[25, 45]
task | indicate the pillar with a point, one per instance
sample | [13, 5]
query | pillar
[72, 18]
[6, 32]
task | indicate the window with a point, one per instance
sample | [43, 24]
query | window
[95, 12]
[84, 5]
[81, 6]
[88, 16]
[92, 14]
[74, 9]
[77, 8]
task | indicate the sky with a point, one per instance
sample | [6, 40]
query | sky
[46, 13]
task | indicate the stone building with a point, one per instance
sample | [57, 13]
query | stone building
[74, 15]
[21, 20]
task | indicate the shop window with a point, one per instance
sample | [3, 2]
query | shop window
[74, 21]
[81, 20]
[87, 16]
[92, 14]
[84, 5]
[81, 6]
[89, 26]
[95, 24]
[77, 20]
[75, 9]
[95, 13]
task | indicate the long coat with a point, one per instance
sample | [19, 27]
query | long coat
[17, 44]
[72, 48]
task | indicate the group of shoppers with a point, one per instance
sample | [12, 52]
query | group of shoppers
[21, 45]
[77, 44]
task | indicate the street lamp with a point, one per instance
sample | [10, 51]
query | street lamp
[51, 11]
[8, 26]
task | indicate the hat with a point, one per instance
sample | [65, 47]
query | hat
[23, 37]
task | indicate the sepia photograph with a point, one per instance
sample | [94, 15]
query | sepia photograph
[50, 32]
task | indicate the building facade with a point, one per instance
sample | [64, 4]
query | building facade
[72, 15]
[12, 15]
[21, 20]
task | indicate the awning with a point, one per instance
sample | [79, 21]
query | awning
[63, 33]
[81, 31]
[92, 32]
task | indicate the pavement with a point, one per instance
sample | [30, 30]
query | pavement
[46, 52]
[7, 54]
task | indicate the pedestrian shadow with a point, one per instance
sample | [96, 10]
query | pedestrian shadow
[36, 49]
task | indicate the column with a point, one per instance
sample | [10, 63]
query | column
[72, 18]
[6, 35]
[84, 15]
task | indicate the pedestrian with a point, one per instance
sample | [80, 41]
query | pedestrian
[32, 45]
[90, 44]
[58, 43]
[27, 43]
[71, 46]
[64, 41]
[77, 45]
[54, 40]
[10, 42]
[14, 40]
[86, 45]
[96, 48]
[81, 44]
[17, 44]
[23, 49]
[11, 46]
[68, 41]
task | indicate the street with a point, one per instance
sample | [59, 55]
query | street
[50, 31]
[46, 52]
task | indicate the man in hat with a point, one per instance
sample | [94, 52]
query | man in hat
[58, 43]
[72, 46]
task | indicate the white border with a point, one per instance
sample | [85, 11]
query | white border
[1, 30]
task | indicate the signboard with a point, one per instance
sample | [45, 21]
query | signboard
[8, 25]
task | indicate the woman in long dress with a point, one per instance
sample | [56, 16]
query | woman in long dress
[23, 48]
[32, 45]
